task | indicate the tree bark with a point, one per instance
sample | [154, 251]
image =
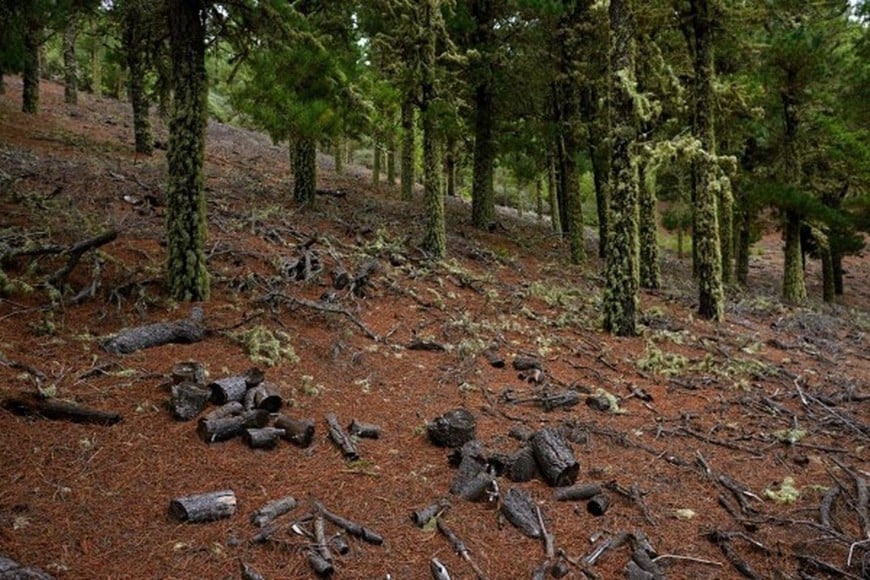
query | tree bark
[304, 170]
[555, 218]
[482, 191]
[30, 72]
[650, 271]
[435, 236]
[621, 262]
[187, 273]
[204, 507]
[711, 300]
[71, 70]
[794, 289]
[97, 61]
[741, 259]
[186, 330]
[408, 147]
[134, 52]
[555, 457]
[376, 162]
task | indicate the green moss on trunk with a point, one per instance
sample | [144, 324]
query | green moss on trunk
[70, 66]
[794, 289]
[135, 50]
[408, 145]
[304, 170]
[435, 237]
[187, 274]
[650, 271]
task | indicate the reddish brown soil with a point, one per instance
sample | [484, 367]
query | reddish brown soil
[83, 501]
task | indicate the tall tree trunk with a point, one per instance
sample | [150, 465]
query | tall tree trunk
[539, 197]
[837, 266]
[435, 238]
[600, 156]
[30, 73]
[97, 61]
[553, 195]
[828, 290]
[744, 233]
[650, 271]
[726, 232]
[187, 271]
[450, 166]
[711, 299]
[338, 155]
[134, 48]
[376, 162]
[408, 147]
[304, 170]
[391, 159]
[163, 87]
[70, 65]
[482, 188]
[793, 284]
[621, 262]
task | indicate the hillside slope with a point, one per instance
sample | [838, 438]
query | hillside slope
[690, 430]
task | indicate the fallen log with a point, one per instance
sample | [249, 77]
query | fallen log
[204, 507]
[226, 428]
[341, 439]
[452, 429]
[562, 399]
[555, 457]
[187, 330]
[354, 529]
[520, 510]
[577, 492]
[228, 389]
[525, 363]
[58, 410]
[187, 401]
[262, 437]
[297, 431]
[319, 564]
[364, 430]
[272, 510]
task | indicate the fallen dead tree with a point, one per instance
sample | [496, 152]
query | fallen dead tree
[60, 410]
[186, 330]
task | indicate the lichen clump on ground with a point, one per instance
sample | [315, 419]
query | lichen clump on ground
[267, 347]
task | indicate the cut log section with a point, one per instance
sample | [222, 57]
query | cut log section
[188, 400]
[272, 510]
[297, 431]
[204, 507]
[341, 439]
[452, 429]
[59, 410]
[522, 466]
[520, 510]
[577, 492]
[422, 516]
[228, 389]
[263, 437]
[555, 458]
[364, 430]
[188, 372]
[264, 396]
[598, 504]
[254, 376]
[179, 331]
[225, 428]
[227, 410]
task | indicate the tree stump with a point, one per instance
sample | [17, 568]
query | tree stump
[452, 429]
[297, 431]
[204, 507]
[188, 400]
[264, 396]
[228, 389]
[555, 458]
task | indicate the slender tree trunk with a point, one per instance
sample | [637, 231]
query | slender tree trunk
[650, 271]
[71, 69]
[539, 197]
[187, 272]
[304, 170]
[744, 233]
[483, 172]
[338, 155]
[450, 166]
[621, 261]
[391, 159]
[30, 73]
[837, 267]
[408, 147]
[376, 162]
[828, 289]
[726, 232]
[794, 289]
[134, 49]
[600, 156]
[97, 61]
[553, 195]
[435, 238]
[711, 299]
[164, 86]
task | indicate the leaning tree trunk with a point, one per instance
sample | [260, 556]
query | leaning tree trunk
[650, 271]
[435, 238]
[304, 170]
[621, 262]
[135, 48]
[71, 70]
[711, 294]
[408, 146]
[30, 72]
[187, 273]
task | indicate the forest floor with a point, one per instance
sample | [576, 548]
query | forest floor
[739, 444]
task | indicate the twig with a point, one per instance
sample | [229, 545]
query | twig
[723, 540]
[460, 548]
[829, 568]
[325, 307]
[549, 549]
[687, 558]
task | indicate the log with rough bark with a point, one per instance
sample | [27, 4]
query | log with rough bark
[525, 363]
[185, 331]
[59, 410]
[341, 439]
[227, 410]
[555, 457]
[519, 509]
[321, 566]
[204, 507]
[422, 516]
[12, 570]
[472, 480]
[272, 510]
[262, 437]
[364, 430]
[354, 529]
[248, 572]
[254, 376]
[452, 429]
[264, 396]
[228, 389]
[561, 399]
[522, 466]
[225, 428]
[188, 400]
[189, 372]
[297, 431]
[598, 504]
[576, 492]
